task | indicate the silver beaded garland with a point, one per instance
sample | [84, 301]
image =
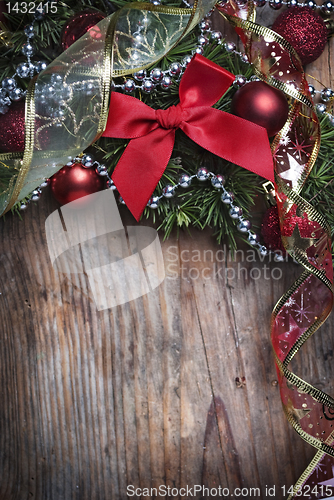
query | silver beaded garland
[148, 86]
[129, 86]
[166, 82]
[227, 198]
[175, 69]
[326, 94]
[156, 75]
[153, 202]
[110, 184]
[202, 174]
[86, 161]
[218, 181]
[168, 191]
[185, 180]
[244, 226]
[101, 170]
[140, 75]
[235, 212]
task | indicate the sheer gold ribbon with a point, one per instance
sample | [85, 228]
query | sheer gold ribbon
[68, 105]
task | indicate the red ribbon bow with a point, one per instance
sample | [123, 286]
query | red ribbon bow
[152, 132]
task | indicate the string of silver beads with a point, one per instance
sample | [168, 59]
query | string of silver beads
[10, 91]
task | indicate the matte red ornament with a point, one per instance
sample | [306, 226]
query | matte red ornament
[79, 24]
[270, 230]
[262, 104]
[305, 30]
[74, 182]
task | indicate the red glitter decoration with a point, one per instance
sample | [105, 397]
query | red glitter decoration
[74, 182]
[260, 103]
[305, 30]
[12, 128]
[270, 230]
[79, 24]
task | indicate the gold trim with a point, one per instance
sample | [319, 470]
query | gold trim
[29, 127]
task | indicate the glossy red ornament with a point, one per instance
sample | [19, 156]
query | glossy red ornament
[270, 230]
[259, 103]
[74, 182]
[79, 24]
[305, 30]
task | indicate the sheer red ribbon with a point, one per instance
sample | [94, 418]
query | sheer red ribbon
[152, 132]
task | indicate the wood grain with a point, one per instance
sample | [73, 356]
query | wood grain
[175, 388]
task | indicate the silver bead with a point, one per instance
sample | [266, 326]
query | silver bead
[175, 69]
[40, 66]
[292, 3]
[253, 238]
[25, 69]
[8, 83]
[199, 50]
[279, 257]
[101, 170]
[227, 198]
[275, 4]
[260, 3]
[5, 101]
[327, 7]
[239, 81]
[156, 75]
[88, 88]
[186, 60]
[326, 94]
[120, 199]
[310, 4]
[156, 2]
[36, 194]
[139, 75]
[45, 183]
[129, 86]
[86, 161]
[168, 191]
[39, 14]
[203, 40]
[3, 93]
[244, 58]
[218, 181]
[216, 35]
[311, 90]
[331, 119]
[3, 110]
[27, 49]
[263, 250]
[148, 86]
[235, 212]
[111, 185]
[254, 78]
[23, 206]
[244, 226]
[185, 180]
[166, 82]
[202, 174]
[321, 108]
[29, 30]
[230, 47]
[153, 202]
[16, 94]
[205, 24]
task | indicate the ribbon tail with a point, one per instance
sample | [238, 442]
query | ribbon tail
[141, 167]
[235, 139]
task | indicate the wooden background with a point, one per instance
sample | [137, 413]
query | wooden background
[175, 388]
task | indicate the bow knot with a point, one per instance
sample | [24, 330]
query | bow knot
[152, 133]
[171, 117]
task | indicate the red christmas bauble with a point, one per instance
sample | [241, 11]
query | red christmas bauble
[79, 24]
[12, 128]
[74, 182]
[270, 230]
[305, 30]
[259, 103]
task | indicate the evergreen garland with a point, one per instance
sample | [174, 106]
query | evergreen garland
[200, 204]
